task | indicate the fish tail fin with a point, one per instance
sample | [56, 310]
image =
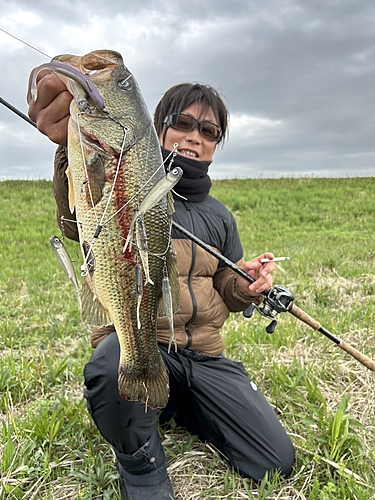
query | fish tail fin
[128, 241]
[152, 388]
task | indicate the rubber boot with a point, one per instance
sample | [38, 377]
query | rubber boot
[144, 473]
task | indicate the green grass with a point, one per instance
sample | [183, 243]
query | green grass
[49, 447]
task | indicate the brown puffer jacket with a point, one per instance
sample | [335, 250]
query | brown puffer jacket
[208, 292]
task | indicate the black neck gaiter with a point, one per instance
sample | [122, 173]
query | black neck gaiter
[195, 183]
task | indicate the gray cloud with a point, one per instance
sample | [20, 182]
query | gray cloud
[298, 77]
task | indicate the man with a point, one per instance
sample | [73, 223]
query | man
[210, 395]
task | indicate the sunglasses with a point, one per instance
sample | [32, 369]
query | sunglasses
[186, 123]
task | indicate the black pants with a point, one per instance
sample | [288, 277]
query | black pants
[212, 397]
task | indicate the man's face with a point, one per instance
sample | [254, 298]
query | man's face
[191, 144]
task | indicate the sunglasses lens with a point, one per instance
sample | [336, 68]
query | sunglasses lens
[186, 123]
[210, 131]
[183, 122]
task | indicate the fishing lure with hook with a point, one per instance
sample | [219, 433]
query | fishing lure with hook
[160, 189]
[66, 263]
[139, 289]
[73, 74]
[168, 308]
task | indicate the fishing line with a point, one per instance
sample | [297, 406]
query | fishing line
[62, 218]
[85, 168]
[142, 187]
[25, 43]
[113, 184]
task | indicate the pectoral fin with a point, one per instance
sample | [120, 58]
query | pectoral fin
[92, 313]
[96, 179]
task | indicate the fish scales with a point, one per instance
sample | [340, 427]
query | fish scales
[109, 175]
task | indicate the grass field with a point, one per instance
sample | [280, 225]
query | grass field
[50, 449]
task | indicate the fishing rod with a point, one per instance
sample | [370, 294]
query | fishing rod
[279, 299]
[276, 300]
[17, 111]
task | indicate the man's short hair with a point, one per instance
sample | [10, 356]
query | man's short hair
[182, 95]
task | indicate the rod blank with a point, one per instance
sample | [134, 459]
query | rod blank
[17, 111]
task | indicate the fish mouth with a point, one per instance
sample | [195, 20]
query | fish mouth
[91, 140]
[94, 142]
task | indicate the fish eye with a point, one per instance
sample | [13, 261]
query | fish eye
[124, 84]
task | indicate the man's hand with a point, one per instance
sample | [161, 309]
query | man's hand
[50, 111]
[261, 272]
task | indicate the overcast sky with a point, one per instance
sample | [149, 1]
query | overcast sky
[298, 76]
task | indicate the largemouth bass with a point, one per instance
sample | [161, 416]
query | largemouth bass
[114, 162]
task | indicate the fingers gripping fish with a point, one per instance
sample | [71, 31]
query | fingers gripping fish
[88, 89]
[114, 165]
